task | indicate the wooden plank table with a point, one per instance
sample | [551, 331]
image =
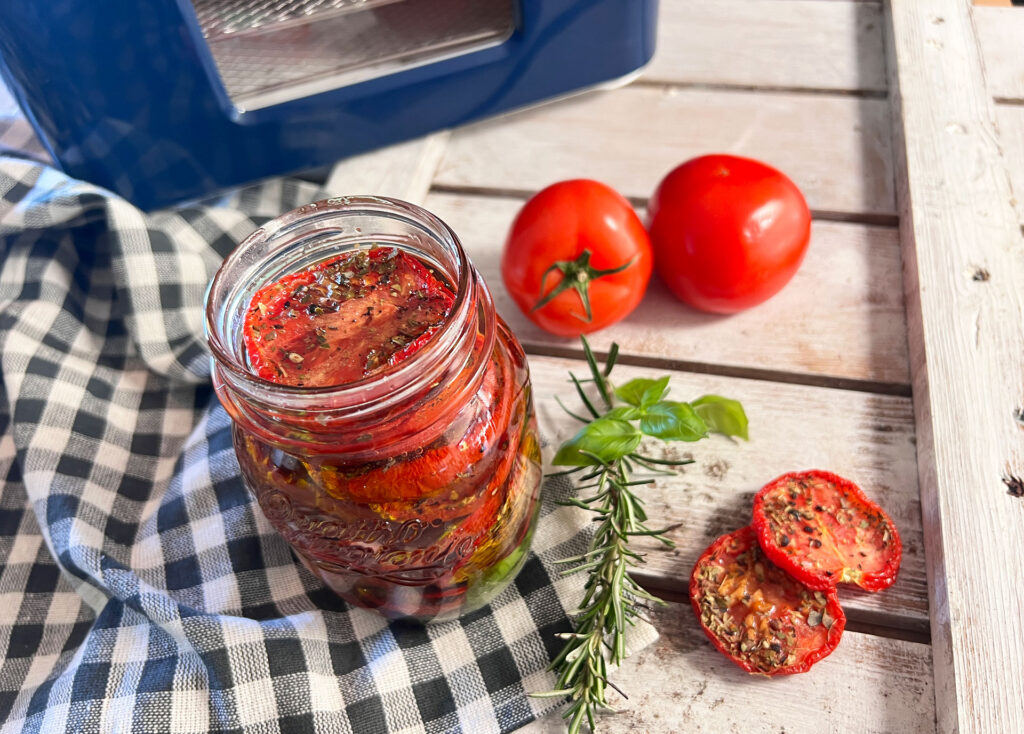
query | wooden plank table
[962, 247]
[831, 371]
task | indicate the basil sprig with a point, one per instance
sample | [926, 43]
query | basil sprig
[606, 450]
[615, 435]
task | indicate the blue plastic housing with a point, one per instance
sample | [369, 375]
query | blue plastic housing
[125, 94]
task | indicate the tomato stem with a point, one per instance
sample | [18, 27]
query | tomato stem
[577, 274]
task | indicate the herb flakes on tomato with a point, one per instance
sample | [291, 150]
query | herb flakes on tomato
[823, 530]
[344, 318]
[760, 617]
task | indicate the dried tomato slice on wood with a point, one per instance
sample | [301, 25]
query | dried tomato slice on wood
[760, 617]
[344, 318]
[823, 530]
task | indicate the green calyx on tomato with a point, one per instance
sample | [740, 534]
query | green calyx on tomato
[588, 235]
[728, 232]
[577, 274]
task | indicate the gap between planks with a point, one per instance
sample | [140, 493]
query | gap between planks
[706, 368]
[856, 619]
[822, 215]
[758, 88]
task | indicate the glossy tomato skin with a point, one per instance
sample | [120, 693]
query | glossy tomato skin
[557, 225]
[728, 232]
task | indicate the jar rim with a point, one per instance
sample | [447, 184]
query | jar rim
[330, 209]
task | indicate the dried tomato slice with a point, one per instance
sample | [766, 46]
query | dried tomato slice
[443, 478]
[759, 616]
[343, 318]
[823, 530]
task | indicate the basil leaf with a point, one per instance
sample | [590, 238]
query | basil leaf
[641, 392]
[606, 438]
[624, 412]
[722, 415]
[672, 421]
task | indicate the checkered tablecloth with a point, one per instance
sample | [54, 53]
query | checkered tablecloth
[140, 588]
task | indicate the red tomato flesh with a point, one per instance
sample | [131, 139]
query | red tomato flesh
[437, 476]
[823, 530]
[344, 318]
[759, 616]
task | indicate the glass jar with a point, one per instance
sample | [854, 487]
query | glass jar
[413, 490]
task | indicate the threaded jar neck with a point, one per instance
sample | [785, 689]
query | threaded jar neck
[348, 418]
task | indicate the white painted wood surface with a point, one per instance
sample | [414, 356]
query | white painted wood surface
[403, 171]
[1010, 123]
[869, 685]
[866, 438]
[840, 319]
[836, 148]
[1001, 36]
[790, 44]
[962, 253]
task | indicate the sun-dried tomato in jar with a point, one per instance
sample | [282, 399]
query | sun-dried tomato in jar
[381, 410]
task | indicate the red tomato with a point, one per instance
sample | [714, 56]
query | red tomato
[728, 232]
[577, 258]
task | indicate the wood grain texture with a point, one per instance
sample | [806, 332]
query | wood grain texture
[1010, 122]
[1001, 36]
[841, 316]
[837, 149]
[962, 254]
[867, 438]
[402, 171]
[869, 685]
[777, 43]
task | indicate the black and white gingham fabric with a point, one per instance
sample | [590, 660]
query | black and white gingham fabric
[140, 588]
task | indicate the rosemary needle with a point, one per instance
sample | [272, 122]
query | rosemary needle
[606, 446]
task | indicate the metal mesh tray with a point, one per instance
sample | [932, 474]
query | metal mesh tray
[273, 51]
[228, 17]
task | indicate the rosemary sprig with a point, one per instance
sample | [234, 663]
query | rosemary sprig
[605, 449]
